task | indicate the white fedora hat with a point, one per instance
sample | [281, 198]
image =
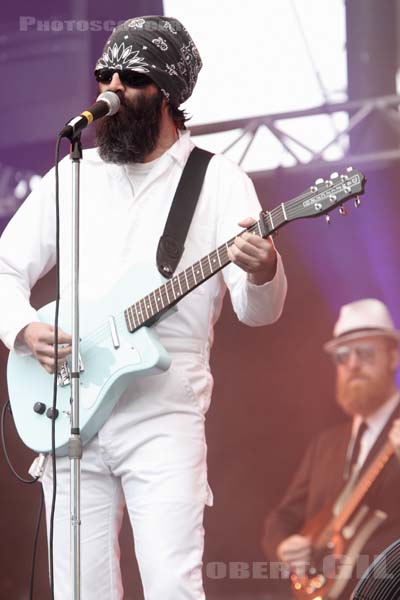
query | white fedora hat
[363, 318]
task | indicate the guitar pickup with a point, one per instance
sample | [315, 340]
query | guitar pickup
[64, 374]
[113, 331]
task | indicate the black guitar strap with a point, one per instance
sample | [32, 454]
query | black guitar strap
[172, 242]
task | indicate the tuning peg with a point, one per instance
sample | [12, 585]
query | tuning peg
[319, 181]
[343, 211]
[334, 175]
[328, 219]
[357, 201]
[349, 169]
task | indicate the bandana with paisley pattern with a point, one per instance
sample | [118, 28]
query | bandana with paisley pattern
[162, 48]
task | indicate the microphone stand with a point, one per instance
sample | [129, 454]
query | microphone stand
[75, 441]
[107, 104]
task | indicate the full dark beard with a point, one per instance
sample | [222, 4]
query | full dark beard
[131, 134]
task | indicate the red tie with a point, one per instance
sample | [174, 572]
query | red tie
[352, 461]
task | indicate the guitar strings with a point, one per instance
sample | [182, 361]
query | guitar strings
[96, 334]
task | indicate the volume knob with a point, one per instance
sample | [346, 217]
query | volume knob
[39, 408]
[52, 413]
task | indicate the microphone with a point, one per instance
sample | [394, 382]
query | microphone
[107, 104]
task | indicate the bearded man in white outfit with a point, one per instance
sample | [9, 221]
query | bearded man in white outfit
[150, 455]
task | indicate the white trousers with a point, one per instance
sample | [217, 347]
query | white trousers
[151, 456]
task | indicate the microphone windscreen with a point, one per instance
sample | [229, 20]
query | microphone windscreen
[112, 100]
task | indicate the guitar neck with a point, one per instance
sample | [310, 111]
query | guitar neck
[319, 199]
[150, 307]
[363, 486]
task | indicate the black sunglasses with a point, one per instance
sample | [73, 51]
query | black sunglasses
[126, 76]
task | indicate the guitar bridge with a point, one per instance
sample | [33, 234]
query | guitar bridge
[64, 374]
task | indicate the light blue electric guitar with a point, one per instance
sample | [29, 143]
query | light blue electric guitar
[117, 341]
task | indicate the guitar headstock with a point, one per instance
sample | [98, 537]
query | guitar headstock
[327, 194]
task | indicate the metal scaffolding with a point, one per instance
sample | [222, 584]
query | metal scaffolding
[360, 112]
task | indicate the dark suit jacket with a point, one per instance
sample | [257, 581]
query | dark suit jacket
[319, 481]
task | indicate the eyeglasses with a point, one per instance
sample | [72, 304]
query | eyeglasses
[126, 76]
[363, 352]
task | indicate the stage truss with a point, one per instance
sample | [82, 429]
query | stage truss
[359, 114]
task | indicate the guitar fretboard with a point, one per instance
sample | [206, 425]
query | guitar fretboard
[317, 200]
[150, 307]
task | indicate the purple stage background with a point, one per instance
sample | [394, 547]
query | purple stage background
[274, 388]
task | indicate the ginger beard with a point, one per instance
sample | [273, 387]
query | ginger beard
[363, 388]
[131, 134]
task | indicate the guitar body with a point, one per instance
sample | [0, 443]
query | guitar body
[107, 370]
[334, 553]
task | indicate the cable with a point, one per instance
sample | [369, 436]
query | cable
[7, 406]
[3, 443]
[53, 434]
[26, 481]
[53, 421]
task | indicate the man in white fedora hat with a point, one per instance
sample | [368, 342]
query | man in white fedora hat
[365, 351]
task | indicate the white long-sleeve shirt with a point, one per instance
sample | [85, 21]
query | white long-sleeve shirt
[120, 226]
